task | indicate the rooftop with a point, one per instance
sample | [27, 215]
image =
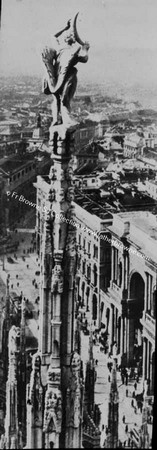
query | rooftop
[144, 220]
[116, 200]
[140, 228]
[13, 164]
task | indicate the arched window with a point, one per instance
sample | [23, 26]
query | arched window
[120, 274]
[89, 273]
[94, 307]
[83, 289]
[95, 275]
[84, 267]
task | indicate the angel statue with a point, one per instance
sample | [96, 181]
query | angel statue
[61, 73]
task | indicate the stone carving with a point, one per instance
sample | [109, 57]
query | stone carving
[61, 74]
[75, 363]
[69, 172]
[14, 334]
[52, 195]
[54, 376]
[3, 441]
[70, 194]
[57, 279]
[53, 411]
[73, 415]
[52, 173]
[13, 443]
[35, 389]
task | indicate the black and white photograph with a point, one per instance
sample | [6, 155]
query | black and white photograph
[78, 223]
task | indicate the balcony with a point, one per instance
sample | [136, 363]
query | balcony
[150, 323]
[115, 291]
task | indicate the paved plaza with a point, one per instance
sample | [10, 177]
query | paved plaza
[133, 416]
[22, 266]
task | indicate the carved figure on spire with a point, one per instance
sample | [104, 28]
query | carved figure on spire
[61, 74]
[14, 334]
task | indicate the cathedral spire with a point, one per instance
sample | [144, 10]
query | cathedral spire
[60, 367]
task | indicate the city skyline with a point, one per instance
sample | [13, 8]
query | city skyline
[122, 36]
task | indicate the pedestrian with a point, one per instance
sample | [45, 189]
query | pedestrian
[122, 377]
[135, 385]
[126, 378]
[109, 379]
[123, 418]
[126, 392]
[126, 428]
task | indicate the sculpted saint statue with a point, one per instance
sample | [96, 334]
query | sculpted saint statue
[61, 74]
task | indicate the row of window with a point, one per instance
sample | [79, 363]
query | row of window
[22, 173]
[87, 246]
[86, 270]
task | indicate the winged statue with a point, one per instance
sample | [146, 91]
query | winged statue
[61, 74]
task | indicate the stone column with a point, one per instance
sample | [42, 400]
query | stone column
[152, 371]
[122, 337]
[144, 358]
[110, 328]
[127, 270]
[112, 263]
[111, 325]
[145, 294]
[148, 359]
[130, 339]
[125, 334]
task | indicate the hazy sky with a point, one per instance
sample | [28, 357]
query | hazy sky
[122, 36]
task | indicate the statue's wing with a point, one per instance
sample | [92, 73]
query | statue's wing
[49, 57]
[66, 63]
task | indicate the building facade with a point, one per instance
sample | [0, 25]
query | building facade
[93, 262]
[130, 301]
[133, 145]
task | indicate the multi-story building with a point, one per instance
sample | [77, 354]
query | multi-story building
[129, 303]
[133, 145]
[93, 261]
[10, 132]
[17, 174]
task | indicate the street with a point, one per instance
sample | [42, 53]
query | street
[133, 416]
